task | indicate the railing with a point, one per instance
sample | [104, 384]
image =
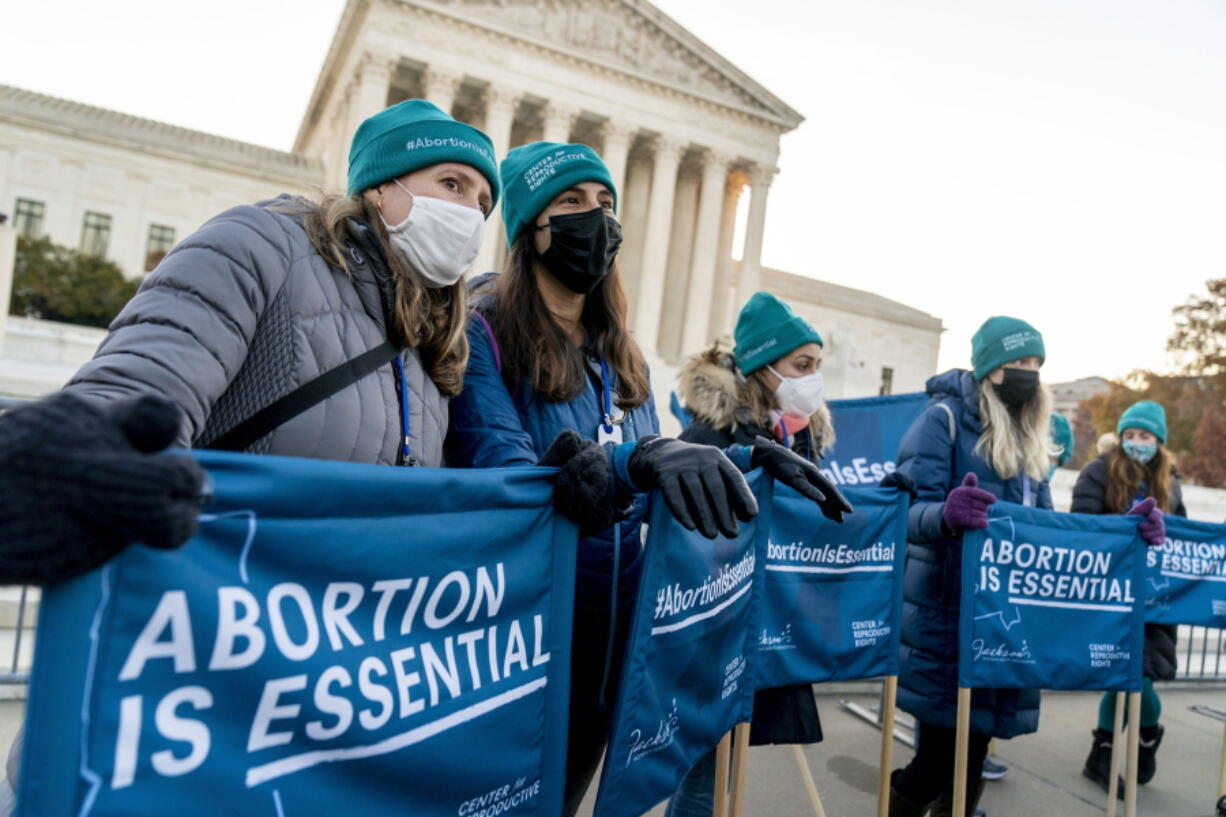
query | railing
[18, 616]
[1198, 654]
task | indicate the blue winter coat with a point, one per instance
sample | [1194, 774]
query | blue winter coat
[492, 426]
[928, 681]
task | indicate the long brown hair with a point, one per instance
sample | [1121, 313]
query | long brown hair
[1125, 475]
[537, 353]
[428, 319]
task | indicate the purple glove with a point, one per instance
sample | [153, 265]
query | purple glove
[967, 506]
[1152, 526]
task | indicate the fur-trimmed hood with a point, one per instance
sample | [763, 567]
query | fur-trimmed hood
[708, 387]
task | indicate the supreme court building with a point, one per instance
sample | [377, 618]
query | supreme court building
[685, 133]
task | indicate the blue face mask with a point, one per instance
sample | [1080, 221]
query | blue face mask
[1141, 452]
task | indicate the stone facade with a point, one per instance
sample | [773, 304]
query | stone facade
[685, 133]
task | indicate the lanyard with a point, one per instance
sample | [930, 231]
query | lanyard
[1027, 498]
[606, 402]
[405, 415]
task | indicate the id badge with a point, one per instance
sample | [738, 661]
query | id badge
[614, 436]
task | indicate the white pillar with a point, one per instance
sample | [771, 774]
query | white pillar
[632, 210]
[8, 257]
[680, 256]
[616, 151]
[721, 299]
[440, 86]
[751, 260]
[372, 79]
[500, 105]
[706, 252]
[560, 120]
[655, 241]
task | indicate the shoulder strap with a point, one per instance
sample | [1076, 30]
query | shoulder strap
[489, 333]
[953, 426]
[281, 411]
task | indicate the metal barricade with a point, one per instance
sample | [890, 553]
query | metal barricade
[18, 616]
[1199, 654]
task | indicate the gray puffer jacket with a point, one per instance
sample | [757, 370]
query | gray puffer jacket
[244, 311]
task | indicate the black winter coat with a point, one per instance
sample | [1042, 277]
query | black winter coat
[780, 714]
[1090, 496]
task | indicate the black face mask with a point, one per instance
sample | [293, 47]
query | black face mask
[1018, 387]
[582, 247]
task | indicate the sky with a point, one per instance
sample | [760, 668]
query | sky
[1061, 161]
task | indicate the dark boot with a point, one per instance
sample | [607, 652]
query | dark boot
[1098, 764]
[1147, 762]
[900, 806]
[944, 805]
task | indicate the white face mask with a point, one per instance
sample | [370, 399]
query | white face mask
[438, 239]
[798, 395]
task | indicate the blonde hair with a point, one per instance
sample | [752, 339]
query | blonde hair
[430, 320]
[1016, 442]
[756, 394]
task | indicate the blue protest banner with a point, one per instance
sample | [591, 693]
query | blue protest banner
[833, 594]
[1052, 601]
[870, 430]
[1186, 579]
[688, 675]
[337, 639]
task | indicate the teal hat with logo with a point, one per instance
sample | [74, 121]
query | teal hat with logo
[1003, 340]
[411, 135]
[766, 330]
[533, 174]
[1146, 415]
[1062, 436]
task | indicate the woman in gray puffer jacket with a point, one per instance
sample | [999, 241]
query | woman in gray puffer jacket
[257, 304]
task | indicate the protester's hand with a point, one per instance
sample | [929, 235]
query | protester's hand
[1152, 525]
[966, 507]
[583, 492]
[802, 476]
[900, 482]
[702, 487]
[79, 482]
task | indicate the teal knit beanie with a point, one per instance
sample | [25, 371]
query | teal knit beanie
[1146, 415]
[766, 330]
[411, 135]
[1062, 435]
[1003, 340]
[533, 174]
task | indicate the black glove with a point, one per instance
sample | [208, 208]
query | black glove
[900, 482]
[702, 487]
[79, 482]
[796, 472]
[584, 492]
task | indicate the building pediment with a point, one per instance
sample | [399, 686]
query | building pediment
[631, 36]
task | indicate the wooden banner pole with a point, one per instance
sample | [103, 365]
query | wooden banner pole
[739, 764]
[1117, 738]
[1134, 747]
[721, 776]
[962, 749]
[807, 776]
[887, 744]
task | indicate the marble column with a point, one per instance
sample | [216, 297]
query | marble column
[722, 307]
[650, 293]
[696, 332]
[560, 120]
[372, 80]
[440, 86]
[632, 211]
[680, 257]
[500, 105]
[616, 151]
[749, 281]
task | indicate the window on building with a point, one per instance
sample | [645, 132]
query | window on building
[887, 380]
[161, 239]
[28, 217]
[95, 233]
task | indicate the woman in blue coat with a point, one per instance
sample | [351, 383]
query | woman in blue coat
[985, 435]
[552, 361]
